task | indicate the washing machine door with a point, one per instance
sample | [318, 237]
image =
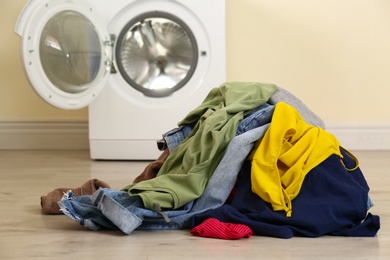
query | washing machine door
[66, 51]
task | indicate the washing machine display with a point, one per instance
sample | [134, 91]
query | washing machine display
[139, 65]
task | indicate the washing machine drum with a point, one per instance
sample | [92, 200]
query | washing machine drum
[156, 53]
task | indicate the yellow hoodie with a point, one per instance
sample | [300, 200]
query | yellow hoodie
[288, 151]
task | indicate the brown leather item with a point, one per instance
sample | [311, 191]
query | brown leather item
[49, 202]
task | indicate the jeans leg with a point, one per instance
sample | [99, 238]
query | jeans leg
[81, 210]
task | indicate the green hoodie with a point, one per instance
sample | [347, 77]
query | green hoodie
[184, 175]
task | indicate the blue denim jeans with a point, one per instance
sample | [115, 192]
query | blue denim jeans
[118, 210]
[174, 137]
[257, 117]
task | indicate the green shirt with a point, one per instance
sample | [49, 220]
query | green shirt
[184, 175]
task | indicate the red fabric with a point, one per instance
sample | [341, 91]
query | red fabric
[216, 229]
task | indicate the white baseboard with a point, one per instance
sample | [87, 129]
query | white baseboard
[74, 135]
[44, 135]
[362, 137]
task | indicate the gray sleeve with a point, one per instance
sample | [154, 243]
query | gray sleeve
[282, 95]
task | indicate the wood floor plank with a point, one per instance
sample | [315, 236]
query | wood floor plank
[25, 233]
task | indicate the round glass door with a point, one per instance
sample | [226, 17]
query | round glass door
[70, 52]
[156, 53]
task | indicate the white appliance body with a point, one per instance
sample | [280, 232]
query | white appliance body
[124, 123]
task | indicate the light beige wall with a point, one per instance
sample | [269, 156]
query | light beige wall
[334, 55]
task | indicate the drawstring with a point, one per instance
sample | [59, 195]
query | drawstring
[157, 208]
[353, 157]
[288, 207]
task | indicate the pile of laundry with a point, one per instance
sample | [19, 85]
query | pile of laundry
[251, 159]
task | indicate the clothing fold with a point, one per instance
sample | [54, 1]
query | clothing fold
[185, 173]
[250, 159]
[289, 150]
[118, 210]
[332, 201]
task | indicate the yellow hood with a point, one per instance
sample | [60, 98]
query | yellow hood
[289, 150]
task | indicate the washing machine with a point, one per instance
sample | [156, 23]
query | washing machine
[139, 65]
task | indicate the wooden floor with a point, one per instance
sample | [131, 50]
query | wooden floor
[25, 233]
